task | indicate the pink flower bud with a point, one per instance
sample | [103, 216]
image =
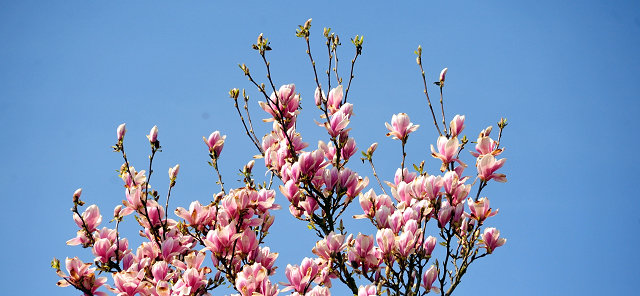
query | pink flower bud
[121, 131]
[457, 125]
[173, 172]
[372, 148]
[116, 211]
[442, 74]
[153, 134]
[76, 195]
[215, 142]
[429, 277]
[250, 165]
[429, 245]
[319, 96]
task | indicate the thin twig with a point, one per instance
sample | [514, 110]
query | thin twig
[424, 80]
[376, 175]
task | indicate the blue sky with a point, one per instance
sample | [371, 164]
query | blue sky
[565, 74]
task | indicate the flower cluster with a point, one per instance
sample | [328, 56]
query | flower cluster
[231, 228]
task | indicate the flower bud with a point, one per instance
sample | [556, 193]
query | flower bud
[233, 93]
[372, 149]
[76, 195]
[249, 166]
[121, 131]
[173, 172]
[259, 41]
[153, 134]
[442, 74]
[307, 24]
[116, 211]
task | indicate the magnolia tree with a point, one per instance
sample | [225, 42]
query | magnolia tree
[318, 185]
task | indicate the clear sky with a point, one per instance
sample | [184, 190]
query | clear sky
[565, 74]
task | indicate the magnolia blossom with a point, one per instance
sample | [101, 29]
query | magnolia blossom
[153, 134]
[215, 142]
[368, 290]
[491, 239]
[447, 151]
[330, 245]
[81, 276]
[128, 283]
[430, 276]
[400, 127]
[121, 131]
[364, 253]
[487, 167]
[457, 125]
[480, 209]
[429, 245]
[300, 276]
[334, 101]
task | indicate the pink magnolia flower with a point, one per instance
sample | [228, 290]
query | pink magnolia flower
[284, 103]
[429, 245]
[247, 243]
[153, 134]
[300, 276]
[215, 142]
[334, 101]
[198, 215]
[138, 179]
[128, 283]
[487, 167]
[368, 290]
[160, 271]
[432, 186]
[81, 276]
[121, 131]
[191, 281]
[249, 281]
[430, 276]
[363, 252]
[447, 151]
[318, 291]
[386, 240]
[332, 244]
[91, 217]
[352, 183]
[444, 215]
[104, 250]
[220, 241]
[266, 258]
[171, 247]
[480, 209]
[400, 127]
[337, 124]
[485, 145]
[405, 244]
[349, 149]
[491, 239]
[403, 175]
[457, 125]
